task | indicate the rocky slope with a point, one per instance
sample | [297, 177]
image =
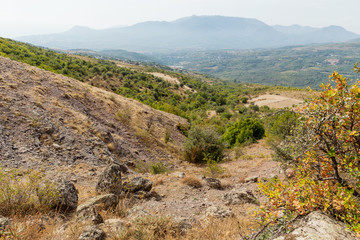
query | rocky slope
[50, 120]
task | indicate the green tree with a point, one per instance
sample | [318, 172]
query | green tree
[245, 130]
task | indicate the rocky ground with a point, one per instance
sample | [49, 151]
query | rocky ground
[97, 147]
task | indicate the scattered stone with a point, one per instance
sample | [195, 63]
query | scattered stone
[252, 179]
[218, 212]
[4, 222]
[90, 214]
[319, 226]
[109, 201]
[178, 174]
[213, 183]
[110, 180]
[92, 233]
[241, 196]
[137, 212]
[138, 184]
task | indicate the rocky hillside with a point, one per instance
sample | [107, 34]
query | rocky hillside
[51, 120]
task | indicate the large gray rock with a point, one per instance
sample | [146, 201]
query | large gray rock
[239, 196]
[92, 233]
[110, 180]
[218, 212]
[108, 200]
[213, 183]
[318, 226]
[138, 184]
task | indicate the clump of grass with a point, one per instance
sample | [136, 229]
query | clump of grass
[213, 169]
[151, 228]
[25, 193]
[124, 116]
[167, 136]
[192, 182]
[157, 168]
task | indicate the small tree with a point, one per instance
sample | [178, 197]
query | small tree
[203, 144]
[325, 154]
[244, 130]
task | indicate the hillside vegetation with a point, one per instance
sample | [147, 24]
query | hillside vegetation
[191, 97]
[298, 66]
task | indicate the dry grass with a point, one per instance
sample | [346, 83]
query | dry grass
[30, 228]
[192, 182]
[228, 228]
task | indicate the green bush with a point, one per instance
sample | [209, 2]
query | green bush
[283, 124]
[245, 130]
[203, 144]
[157, 168]
[226, 115]
[255, 108]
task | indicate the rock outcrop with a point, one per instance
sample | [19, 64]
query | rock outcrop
[110, 180]
[241, 196]
[318, 226]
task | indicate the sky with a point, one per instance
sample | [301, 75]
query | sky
[28, 17]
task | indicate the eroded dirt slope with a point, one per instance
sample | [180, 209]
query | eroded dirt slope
[51, 120]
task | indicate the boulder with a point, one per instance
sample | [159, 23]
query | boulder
[319, 226]
[252, 179]
[213, 183]
[108, 200]
[218, 212]
[92, 233]
[110, 180]
[239, 196]
[138, 184]
[90, 214]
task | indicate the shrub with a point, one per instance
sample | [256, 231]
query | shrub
[244, 99]
[243, 131]
[226, 115]
[19, 193]
[325, 154]
[243, 110]
[220, 109]
[158, 168]
[283, 123]
[255, 108]
[192, 182]
[203, 144]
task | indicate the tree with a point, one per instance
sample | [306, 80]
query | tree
[245, 130]
[325, 154]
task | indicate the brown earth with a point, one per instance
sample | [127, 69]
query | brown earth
[74, 130]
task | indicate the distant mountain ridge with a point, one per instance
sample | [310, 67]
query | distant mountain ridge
[195, 32]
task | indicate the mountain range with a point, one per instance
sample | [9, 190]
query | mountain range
[195, 32]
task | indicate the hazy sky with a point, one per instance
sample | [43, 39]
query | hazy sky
[23, 17]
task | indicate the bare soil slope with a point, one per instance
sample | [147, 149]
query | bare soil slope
[51, 120]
